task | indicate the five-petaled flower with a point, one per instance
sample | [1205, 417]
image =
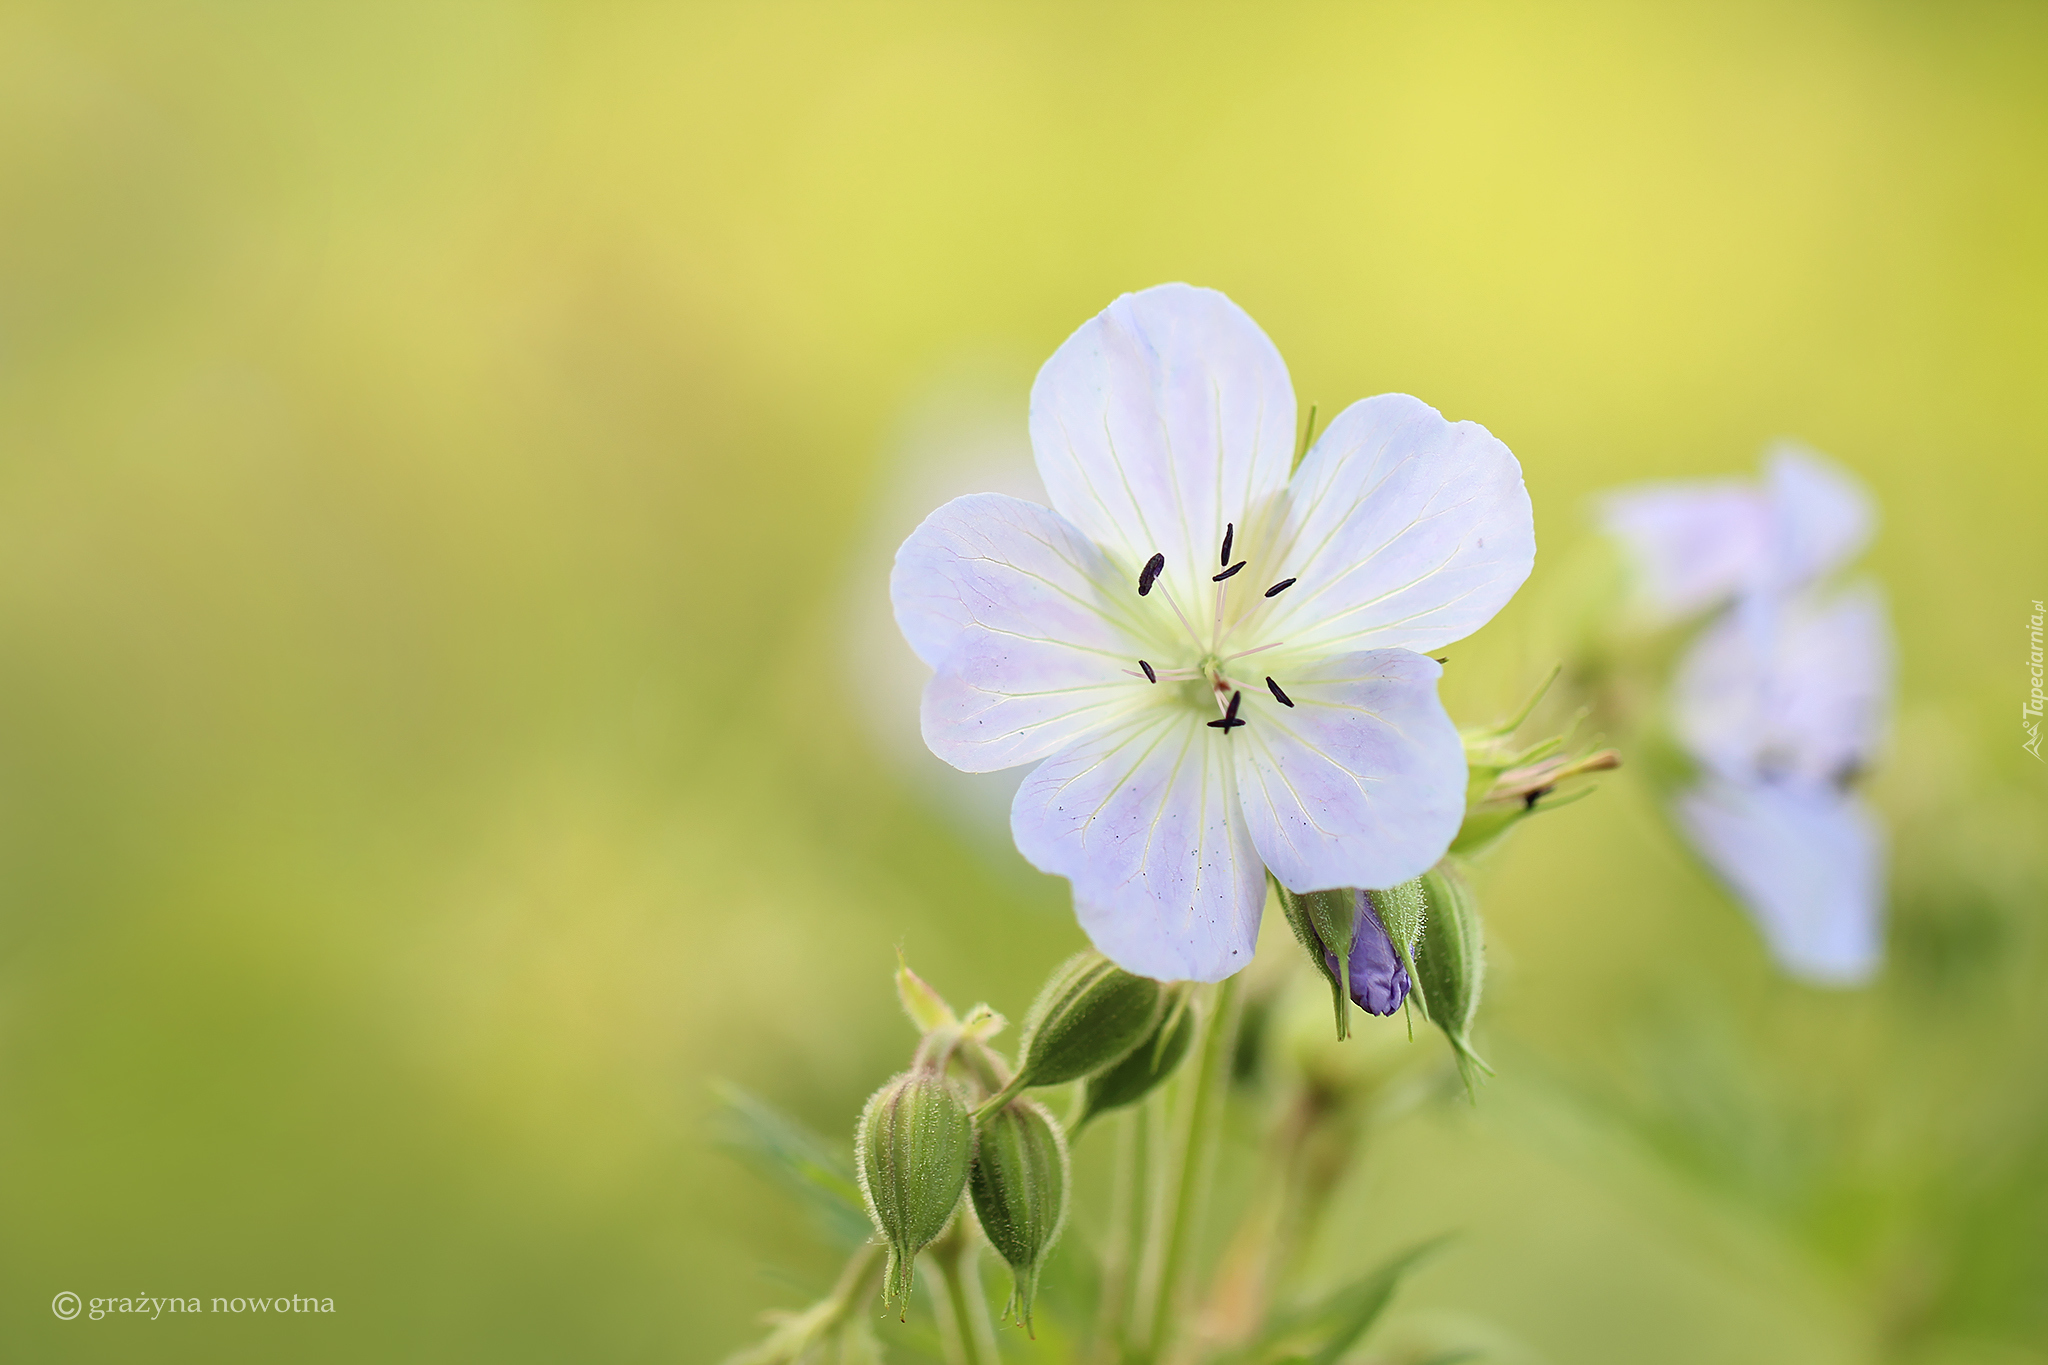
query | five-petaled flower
[1219, 669]
[1780, 702]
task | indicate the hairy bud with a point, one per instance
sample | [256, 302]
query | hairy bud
[1450, 961]
[913, 1145]
[1089, 1016]
[1019, 1189]
[1145, 1066]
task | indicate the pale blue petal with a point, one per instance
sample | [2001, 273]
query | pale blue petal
[1404, 531]
[1361, 782]
[1019, 615]
[1144, 821]
[1166, 416]
[1819, 516]
[1796, 691]
[1692, 545]
[1809, 866]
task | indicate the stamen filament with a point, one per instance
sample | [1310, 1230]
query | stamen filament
[1178, 612]
[1260, 650]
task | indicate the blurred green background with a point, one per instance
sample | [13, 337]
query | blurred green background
[437, 444]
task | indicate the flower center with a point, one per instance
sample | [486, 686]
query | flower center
[1211, 667]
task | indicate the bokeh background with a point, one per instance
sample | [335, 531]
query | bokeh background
[446, 722]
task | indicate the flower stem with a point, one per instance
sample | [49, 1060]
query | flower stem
[1126, 1234]
[1188, 1178]
[965, 1331]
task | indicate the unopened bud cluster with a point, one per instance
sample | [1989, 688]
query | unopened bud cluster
[958, 1121]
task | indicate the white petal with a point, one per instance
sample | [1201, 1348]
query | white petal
[1819, 517]
[1692, 544]
[1144, 821]
[990, 563]
[1809, 865]
[1405, 532]
[1166, 416]
[1021, 617]
[1795, 689]
[1361, 782]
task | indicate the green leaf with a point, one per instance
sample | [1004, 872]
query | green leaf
[1332, 1327]
[795, 1158]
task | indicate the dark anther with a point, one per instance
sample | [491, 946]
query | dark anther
[1443, 658]
[1150, 574]
[1282, 586]
[1235, 698]
[1150, 676]
[1229, 530]
[1228, 572]
[1227, 724]
[1529, 801]
[1278, 695]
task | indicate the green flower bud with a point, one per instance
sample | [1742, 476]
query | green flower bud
[1450, 963]
[1144, 1067]
[1019, 1189]
[913, 1147]
[1089, 1016]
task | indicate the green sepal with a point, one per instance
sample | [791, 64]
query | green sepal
[1088, 1017]
[926, 1007]
[912, 1149]
[1145, 1067]
[1401, 910]
[1450, 962]
[1307, 915]
[1018, 1187]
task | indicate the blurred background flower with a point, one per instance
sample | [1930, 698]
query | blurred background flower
[438, 447]
[1780, 702]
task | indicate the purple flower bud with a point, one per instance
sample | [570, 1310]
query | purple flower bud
[1379, 983]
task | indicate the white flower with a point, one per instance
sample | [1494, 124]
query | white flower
[1781, 701]
[1218, 669]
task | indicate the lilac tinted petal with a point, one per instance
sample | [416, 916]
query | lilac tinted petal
[997, 701]
[1144, 821]
[1166, 416]
[1008, 602]
[1404, 531]
[1795, 691]
[1379, 983]
[1809, 865]
[1819, 517]
[990, 564]
[1691, 544]
[1361, 782]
